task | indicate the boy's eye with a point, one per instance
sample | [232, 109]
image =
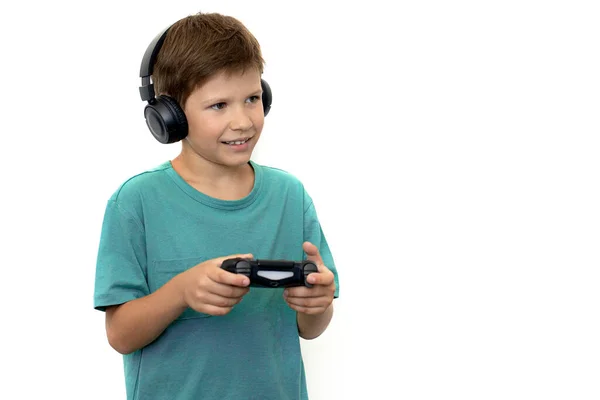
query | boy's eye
[253, 99]
[218, 106]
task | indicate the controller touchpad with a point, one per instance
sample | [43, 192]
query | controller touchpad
[275, 275]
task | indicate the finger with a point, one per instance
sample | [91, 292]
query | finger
[315, 291]
[321, 278]
[306, 293]
[230, 278]
[312, 253]
[213, 310]
[320, 301]
[211, 299]
[221, 259]
[228, 291]
[307, 310]
[300, 291]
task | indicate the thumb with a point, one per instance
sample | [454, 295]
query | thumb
[312, 252]
[229, 277]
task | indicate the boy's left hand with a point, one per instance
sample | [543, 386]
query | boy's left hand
[317, 299]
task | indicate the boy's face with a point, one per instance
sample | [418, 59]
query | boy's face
[225, 118]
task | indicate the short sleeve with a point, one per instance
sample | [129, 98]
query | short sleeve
[121, 260]
[313, 232]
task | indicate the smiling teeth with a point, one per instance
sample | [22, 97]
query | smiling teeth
[238, 142]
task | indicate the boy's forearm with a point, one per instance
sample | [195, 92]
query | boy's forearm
[311, 326]
[139, 322]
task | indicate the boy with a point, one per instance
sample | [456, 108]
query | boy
[187, 328]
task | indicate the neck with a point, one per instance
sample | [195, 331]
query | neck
[215, 180]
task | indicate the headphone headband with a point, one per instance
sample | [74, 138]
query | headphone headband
[147, 68]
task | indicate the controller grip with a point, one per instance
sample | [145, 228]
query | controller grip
[308, 268]
[237, 266]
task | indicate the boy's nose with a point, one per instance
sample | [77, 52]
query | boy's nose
[241, 121]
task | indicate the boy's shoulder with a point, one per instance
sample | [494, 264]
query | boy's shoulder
[279, 175]
[136, 185]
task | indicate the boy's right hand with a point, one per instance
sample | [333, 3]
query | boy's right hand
[211, 290]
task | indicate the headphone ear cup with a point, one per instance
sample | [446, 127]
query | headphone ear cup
[267, 96]
[166, 120]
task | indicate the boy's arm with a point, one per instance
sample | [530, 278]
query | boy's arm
[205, 288]
[311, 326]
[137, 323]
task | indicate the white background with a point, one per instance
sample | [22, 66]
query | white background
[451, 149]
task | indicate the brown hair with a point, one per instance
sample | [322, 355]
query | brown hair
[199, 46]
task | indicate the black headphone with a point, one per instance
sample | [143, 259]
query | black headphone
[164, 117]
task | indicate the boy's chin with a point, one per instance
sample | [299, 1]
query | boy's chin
[240, 160]
[236, 157]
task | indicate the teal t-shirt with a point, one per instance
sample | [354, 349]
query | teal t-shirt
[156, 226]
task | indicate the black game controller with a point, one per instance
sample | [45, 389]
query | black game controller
[272, 273]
